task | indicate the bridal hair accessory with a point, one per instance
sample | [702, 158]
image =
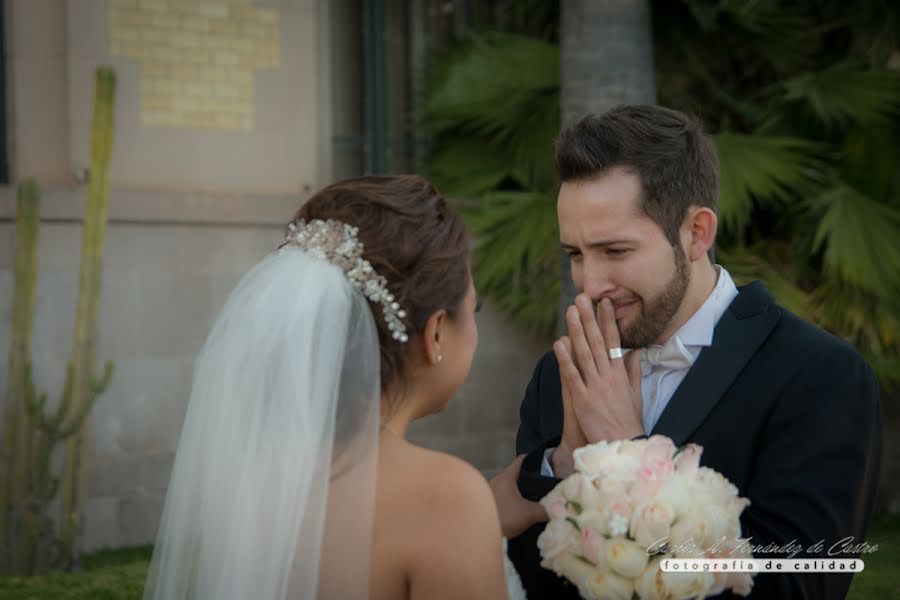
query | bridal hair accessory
[337, 243]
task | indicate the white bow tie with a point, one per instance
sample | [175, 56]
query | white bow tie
[670, 356]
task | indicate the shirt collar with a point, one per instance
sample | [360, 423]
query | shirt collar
[698, 330]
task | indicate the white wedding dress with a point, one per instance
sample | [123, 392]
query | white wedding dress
[513, 582]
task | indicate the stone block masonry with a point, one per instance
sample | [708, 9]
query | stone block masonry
[196, 58]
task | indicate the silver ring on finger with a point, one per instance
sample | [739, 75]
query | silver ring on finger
[615, 353]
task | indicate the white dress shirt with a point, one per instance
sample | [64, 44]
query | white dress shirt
[663, 368]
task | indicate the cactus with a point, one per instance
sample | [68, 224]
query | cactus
[31, 433]
[17, 430]
[84, 388]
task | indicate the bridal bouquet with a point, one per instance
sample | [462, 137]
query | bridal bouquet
[632, 504]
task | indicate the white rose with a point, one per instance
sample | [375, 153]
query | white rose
[576, 491]
[568, 566]
[626, 557]
[603, 460]
[557, 537]
[633, 448]
[706, 526]
[688, 460]
[678, 494]
[651, 522]
[687, 585]
[606, 585]
[650, 585]
[739, 583]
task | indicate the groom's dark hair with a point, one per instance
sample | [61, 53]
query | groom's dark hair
[676, 162]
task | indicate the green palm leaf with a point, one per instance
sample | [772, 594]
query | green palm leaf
[859, 236]
[756, 168]
[464, 167]
[503, 89]
[779, 32]
[846, 91]
[516, 257]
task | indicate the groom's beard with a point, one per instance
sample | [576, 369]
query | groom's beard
[657, 312]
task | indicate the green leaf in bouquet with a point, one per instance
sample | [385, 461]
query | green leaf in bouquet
[576, 506]
[574, 523]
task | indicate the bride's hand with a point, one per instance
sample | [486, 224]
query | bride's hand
[516, 513]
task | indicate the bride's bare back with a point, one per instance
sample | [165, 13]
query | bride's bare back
[436, 532]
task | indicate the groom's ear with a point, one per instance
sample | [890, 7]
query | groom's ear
[432, 336]
[699, 231]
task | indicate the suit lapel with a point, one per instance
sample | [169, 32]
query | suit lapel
[738, 335]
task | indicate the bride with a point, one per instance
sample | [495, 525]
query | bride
[293, 477]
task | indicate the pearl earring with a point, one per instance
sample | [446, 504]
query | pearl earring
[440, 357]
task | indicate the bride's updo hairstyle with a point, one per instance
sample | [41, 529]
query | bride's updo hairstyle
[412, 238]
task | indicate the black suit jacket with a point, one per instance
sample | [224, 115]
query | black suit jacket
[787, 412]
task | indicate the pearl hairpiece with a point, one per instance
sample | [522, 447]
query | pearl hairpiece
[337, 243]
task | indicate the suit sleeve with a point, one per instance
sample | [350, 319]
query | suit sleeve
[539, 429]
[529, 435]
[535, 434]
[816, 471]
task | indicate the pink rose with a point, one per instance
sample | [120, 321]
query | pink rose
[592, 546]
[658, 448]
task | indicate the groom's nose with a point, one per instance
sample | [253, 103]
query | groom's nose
[597, 282]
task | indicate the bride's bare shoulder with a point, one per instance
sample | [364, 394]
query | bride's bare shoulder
[432, 476]
[444, 533]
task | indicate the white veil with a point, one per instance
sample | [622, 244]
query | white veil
[272, 491]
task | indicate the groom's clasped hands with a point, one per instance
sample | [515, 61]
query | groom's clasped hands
[601, 401]
[601, 388]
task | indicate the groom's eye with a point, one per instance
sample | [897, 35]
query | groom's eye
[617, 251]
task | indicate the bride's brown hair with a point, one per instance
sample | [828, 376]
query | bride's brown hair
[412, 238]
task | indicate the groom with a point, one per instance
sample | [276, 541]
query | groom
[787, 412]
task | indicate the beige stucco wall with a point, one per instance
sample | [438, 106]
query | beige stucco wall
[191, 209]
[283, 148]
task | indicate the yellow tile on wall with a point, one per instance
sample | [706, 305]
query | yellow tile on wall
[197, 57]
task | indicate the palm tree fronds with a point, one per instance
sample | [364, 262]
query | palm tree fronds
[516, 256]
[780, 33]
[464, 167]
[846, 91]
[495, 82]
[762, 169]
[859, 237]
[502, 89]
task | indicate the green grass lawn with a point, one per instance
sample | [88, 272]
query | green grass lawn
[107, 575]
[119, 574]
[881, 577]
